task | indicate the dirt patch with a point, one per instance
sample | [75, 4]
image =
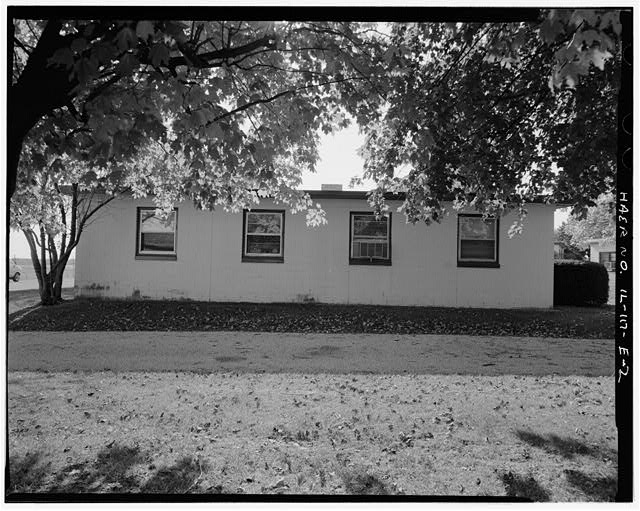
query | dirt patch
[541, 438]
[230, 359]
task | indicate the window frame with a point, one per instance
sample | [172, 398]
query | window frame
[257, 258]
[155, 255]
[608, 263]
[478, 263]
[361, 261]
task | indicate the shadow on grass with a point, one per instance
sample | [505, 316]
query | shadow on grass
[524, 487]
[181, 477]
[596, 488]
[359, 483]
[108, 473]
[565, 446]
[26, 475]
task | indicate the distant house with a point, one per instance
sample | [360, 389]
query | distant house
[603, 251]
[268, 254]
[563, 251]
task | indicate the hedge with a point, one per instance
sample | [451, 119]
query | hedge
[580, 283]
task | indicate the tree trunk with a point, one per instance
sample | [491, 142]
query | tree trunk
[46, 291]
[49, 283]
[57, 281]
[27, 103]
[30, 236]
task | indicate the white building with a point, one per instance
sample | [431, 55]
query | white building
[603, 251]
[270, 255]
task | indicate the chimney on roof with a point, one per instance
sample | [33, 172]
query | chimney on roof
[334, 188]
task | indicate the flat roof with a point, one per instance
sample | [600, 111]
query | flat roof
[360, 194]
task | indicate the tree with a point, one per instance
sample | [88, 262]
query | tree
[494, 115]
[570, 249]
[480, 112]
[599, 222]
[52, 221]
[238, 94]
[53, 208]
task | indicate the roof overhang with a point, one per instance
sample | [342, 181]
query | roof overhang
[357, 195]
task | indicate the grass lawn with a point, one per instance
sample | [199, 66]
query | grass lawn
[156, 315]
[541, 438]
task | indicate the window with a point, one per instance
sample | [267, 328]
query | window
[369, 239]
[609, 260]
[477, 241]
[263, 236]
[156, 236]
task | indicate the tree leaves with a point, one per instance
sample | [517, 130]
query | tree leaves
[125, 39]
[145, 30]
[62, 56]
[159, 54]
[479, 121]
[473, 112]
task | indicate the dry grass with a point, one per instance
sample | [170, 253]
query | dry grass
[541, 438]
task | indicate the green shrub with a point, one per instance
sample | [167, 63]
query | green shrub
[579, 283]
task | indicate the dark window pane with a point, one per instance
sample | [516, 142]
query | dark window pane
[609, 260]
[475, 228]
[263, 244]
[368, 226]
[607, 257]
[263, 223]
[152, 223]
[157, 241]
[477, 249]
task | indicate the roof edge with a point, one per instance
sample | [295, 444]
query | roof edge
[362, 195]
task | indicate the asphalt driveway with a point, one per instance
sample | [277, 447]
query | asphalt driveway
[308, 353]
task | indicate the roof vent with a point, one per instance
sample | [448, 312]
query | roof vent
[335, 188]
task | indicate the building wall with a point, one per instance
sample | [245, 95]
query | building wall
[316, 261]
[596, 247]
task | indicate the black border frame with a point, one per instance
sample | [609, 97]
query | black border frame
[155, 257]
[477, 264]
[356, 261]
[267, 259]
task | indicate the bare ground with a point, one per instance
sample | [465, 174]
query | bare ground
[544, 438]
[308, 353]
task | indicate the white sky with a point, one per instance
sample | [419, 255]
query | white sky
[339, 162]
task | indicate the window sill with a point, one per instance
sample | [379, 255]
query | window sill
[249, 259]
[370, 262]
[156, 257]
[478, 264]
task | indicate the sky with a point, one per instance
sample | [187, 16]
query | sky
[339, 162]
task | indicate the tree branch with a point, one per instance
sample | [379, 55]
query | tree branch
[276, 96]
[204, 59]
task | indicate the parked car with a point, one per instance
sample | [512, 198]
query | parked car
[14, 271]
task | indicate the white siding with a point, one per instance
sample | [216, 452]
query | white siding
[316, 262]
[596, 247]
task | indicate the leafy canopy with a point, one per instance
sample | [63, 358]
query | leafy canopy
[599, 223]
[235, 107]
[489, 115]
[494, 115]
